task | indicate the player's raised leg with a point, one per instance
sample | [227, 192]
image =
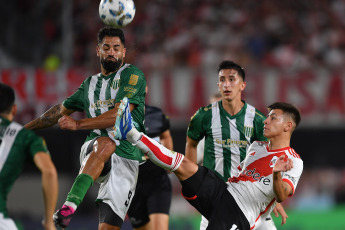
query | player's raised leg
[158, 154]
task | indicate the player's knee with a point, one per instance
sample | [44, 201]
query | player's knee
[104, 147]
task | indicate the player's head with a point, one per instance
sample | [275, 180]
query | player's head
[111, 48]
[7, 96]
[231, 82]
[232, 65]
[282, 118]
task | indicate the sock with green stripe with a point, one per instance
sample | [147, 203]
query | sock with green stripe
[81, 185]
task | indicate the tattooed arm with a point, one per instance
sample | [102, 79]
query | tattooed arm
[281, 188]
[49, 118]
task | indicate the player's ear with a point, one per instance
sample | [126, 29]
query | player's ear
[97, 50]
[124, 52]
[14, 110]
[243, 85]
[288, 126]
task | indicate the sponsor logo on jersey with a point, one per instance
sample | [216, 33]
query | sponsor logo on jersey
[256, 176]
[248, 131]
[292, 179]
[252, 154]
[229, 142]
[273, 161]
[130, 89]
[134, 79]
[103, 104]
[115, 84]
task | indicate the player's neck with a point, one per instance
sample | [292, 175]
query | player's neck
[7, 116]
[232, 107]
[279, 143]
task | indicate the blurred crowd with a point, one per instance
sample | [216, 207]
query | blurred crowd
[164, 34]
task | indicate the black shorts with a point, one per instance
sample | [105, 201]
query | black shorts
[217, 205]
[107, 215]
[152, 195]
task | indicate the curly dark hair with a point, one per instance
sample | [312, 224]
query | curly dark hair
[111, 32]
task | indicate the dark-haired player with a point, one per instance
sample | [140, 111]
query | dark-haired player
[99, 96]
[228, 126]
[17, 145]
[269, 173]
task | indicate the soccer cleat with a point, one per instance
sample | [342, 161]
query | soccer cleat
[124, 121]
[63, 216]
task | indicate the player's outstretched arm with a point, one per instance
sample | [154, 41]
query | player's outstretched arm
[49, 118]
[281, 189]
[50, 187]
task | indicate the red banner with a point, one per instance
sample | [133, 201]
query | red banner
[319, 95]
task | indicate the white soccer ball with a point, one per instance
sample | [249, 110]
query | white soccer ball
[116, 13]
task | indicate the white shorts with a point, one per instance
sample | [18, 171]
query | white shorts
[7, 223]
[265, 224]
[118, 186]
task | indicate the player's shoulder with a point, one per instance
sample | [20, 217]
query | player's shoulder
[133, 69]
[17, 129]
[258, 113]
[152, 109]
[294, 154]
[259, 144]
[204, 111]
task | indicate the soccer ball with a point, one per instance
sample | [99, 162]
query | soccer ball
[116, 13]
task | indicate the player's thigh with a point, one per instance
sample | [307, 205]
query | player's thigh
[137, 211]
[86, 150]
[159, 199]
[108, 219]
[119, 188]
[159, 221]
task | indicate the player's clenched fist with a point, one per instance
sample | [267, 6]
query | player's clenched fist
[67, 122]
[283, 164]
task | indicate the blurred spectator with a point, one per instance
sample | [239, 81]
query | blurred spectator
[285, 34]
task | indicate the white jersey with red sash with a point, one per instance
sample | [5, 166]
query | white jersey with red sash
[253, 187]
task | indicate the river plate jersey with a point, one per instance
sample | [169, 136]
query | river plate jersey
[99, 93]
[226, 137]
[253, 188]
[17, 144]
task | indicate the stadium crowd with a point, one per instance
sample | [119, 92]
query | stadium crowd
[285, 34]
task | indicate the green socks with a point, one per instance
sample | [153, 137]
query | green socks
[81, 185]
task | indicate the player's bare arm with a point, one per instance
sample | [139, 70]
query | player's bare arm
[191, 149]
[49, 185]
[103, 121]
[281, 189]
[49, 118]
[166, 139]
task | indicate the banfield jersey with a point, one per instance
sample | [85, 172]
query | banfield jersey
[253, 188]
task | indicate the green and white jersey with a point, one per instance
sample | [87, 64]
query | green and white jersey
[226, 137]
[99, 93]
[17, 144]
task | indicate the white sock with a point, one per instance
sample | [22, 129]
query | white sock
[158, 154]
